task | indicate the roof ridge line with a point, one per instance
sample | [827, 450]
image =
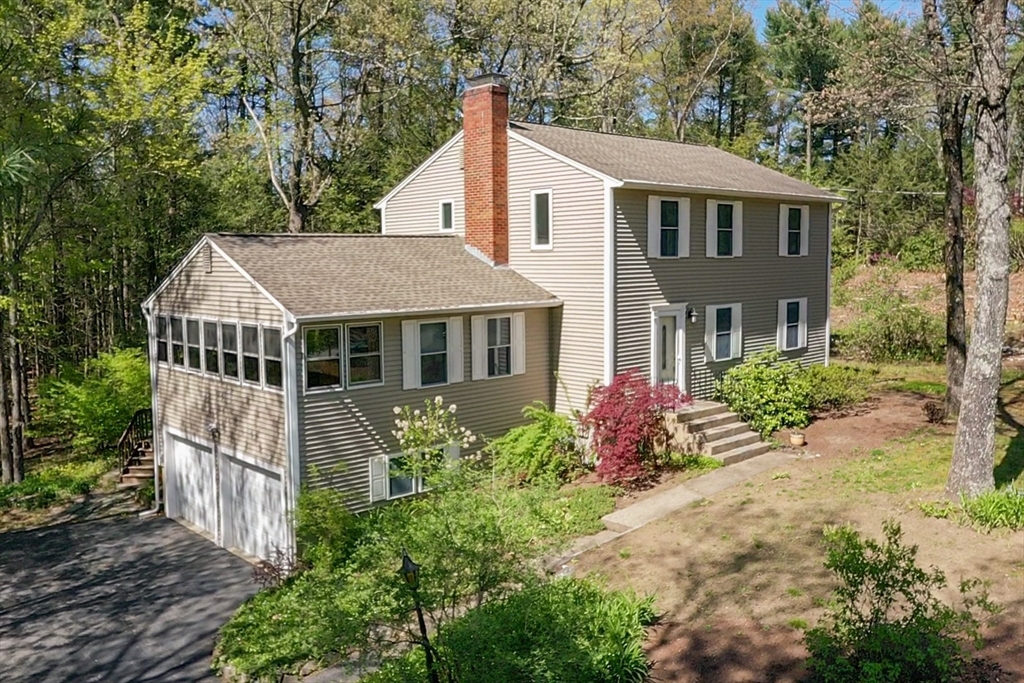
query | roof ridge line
[618, 135]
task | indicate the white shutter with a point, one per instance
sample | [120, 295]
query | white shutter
[709, 331]
[478, 340]
[711, 230]
[518, 343]
[378, 478]
[410, 354]
[737, 228]
[684, 227]
[653, 226]
[456, 359]
[454, 451]
[803, 323]
[780, 325]
[805, 229]
[783, 231]
[737, 330]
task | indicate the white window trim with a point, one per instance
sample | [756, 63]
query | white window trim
[242, 354]
[654, 226]
[802, 329]
[238, 352]
[478, 341]
[411, 357]
[805, 229]
[340, 386]
[203, 322]
[346, 381]
[660, 311]
[219, 375]
[156, 339]
[440, 215]
[263, 359]
[711, 228]
[419, 486]
[736, 341]
[533, 220]
[202, 361]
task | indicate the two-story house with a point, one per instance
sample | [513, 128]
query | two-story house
[520, 262]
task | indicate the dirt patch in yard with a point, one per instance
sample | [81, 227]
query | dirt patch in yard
[739, 576]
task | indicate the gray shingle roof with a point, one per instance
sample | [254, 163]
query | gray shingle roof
[665, 162]
[332, 274]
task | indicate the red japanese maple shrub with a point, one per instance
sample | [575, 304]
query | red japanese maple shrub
[626, 420]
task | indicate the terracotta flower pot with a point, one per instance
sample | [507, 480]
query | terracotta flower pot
[797, 438]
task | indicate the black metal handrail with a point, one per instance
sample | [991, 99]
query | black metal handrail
[138, 430]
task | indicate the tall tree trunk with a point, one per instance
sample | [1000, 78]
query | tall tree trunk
[6, 456]
[971, 471]
[17, 425]
[951, 122]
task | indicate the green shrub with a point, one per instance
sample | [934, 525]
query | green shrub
[325, 529]
[884, 623]
[52, 484]
[999, 509]
[1017, 243]
[543, 449]
[694, 462]
[766, 392]
[566, 630]
[835, 387]
[94, 406]
[923, 251]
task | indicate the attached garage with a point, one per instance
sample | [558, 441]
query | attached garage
[254, 509]
[192, 483]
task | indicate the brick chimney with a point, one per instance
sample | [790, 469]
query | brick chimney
[485, 164]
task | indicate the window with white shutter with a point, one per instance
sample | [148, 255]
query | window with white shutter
[794, 229]
[724, 332]
[724, 229]
[792, 333]
[668, 227]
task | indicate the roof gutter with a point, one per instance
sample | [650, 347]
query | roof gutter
[700, 189]
[469, 308]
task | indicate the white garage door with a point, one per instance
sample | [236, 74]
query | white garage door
[193, 477]
[255, 509]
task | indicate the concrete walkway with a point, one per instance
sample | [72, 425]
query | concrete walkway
[665, 503]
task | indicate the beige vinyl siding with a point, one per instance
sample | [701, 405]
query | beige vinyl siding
[572, 269]
[250, 419]
[757, 280]
[415, 209]
[339, 430]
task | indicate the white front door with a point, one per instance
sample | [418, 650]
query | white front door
[192, 482]
[667, 345]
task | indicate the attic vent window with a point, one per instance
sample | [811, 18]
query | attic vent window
[208, 258]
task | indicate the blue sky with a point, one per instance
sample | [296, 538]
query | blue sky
[840, 9]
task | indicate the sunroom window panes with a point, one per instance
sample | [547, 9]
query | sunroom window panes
[433, 353]
[195, 356]
[725, 213]
[499, 346]
[364, 354]
[161, 339]
[177, 341]
[793, 234]
[272, 356]
[251, 353]
[723, 333]
[229, 349]
[323, 358]
[210, 348]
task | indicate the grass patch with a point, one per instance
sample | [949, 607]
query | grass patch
[52, 484]
[999, 509]
[918, 387]
[920, 461]
[692, 462]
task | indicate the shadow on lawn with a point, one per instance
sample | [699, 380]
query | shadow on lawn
[1011, 394]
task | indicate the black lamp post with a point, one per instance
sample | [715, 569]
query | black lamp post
[410, 572]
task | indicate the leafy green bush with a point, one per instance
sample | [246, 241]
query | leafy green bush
[766, 392]
[835, 387]
[999, 509]
[1017, 243]
[94, 406]
[566, 630]
[325, 529]
[923, 250]
[884, 623]
[544, 449]
[52, 484]
[477, 538]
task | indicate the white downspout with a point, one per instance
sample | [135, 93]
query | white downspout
[147, 313]
[291, 420]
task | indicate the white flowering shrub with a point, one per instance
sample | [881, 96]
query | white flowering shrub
[426, 436]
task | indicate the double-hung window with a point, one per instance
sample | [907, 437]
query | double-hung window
[792, 324]
[229, 349]
[251, 353]
[540, 219]
[446, 216]
[365, 356]
[723, 331]
[668, 227]
[210, 348]
[272, 356]
[499, 345]
[794, 229]
[177, 341]
[392, 477]
[195, 354]
[432, 352]
[323, 357]
[161, 339]
[724, 229]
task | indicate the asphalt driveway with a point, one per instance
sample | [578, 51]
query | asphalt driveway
[119, 599]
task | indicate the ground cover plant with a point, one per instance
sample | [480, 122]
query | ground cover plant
[53, 483]
[546, 448]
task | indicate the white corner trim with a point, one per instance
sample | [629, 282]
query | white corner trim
[383, 217]
[609, 282]
[828, 291]
[615, 182]
[419, 169]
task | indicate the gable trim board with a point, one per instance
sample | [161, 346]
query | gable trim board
[383, 201]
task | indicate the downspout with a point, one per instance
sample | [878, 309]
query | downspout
[828, 291]
[147, 313]
[291, 420]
